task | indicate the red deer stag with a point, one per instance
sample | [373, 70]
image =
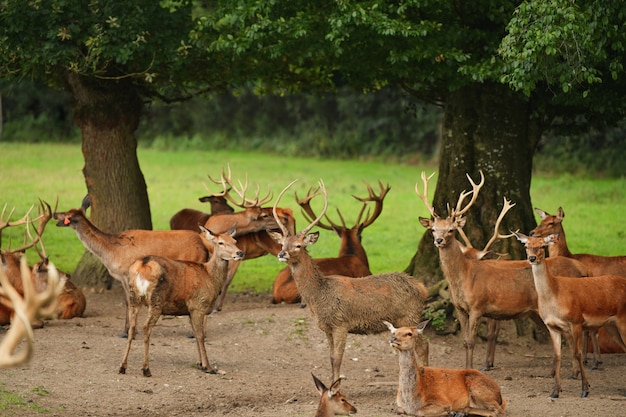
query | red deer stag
[117, 251]
[332, 402]
[352, 260]
[428, 391]
[28, 307]
[169, 287]
[342, 305]
[493, 289]
[256, 243]
[568, 305]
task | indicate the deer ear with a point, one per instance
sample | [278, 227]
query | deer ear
[560, 214]
[461, 222]
[321, 388]
[311, 238]
[420, 327]
[427, 223]
[389, 326]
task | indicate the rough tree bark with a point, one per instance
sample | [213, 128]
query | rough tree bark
[488, 128]
[107, 113]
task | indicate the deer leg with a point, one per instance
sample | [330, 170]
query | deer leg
[576, 345]
[595, 342]
[617, 333]
[154, 313]
[232, 269]
[470, 337]
[493, 329]
[131, 334]
[433, 410]
[555, 335]
[464, 322]
[127, 305]
[197, 319]
[337, 345]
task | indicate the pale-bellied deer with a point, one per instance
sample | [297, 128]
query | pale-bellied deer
[169, 287]
[117, 251]
[568, 305]
[352, 259]
[28, 307]
[189, 219]
[332, 402]
[429, 391]
[493, 289]
[342, 305]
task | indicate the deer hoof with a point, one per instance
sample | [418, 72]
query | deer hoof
[584, 394]
[554, 395]
[122, 370]
[146, 372]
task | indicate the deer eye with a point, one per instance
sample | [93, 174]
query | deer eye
[410, 334]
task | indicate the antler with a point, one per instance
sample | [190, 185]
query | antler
[8, 223]
[424, 196]
[496, 235]
[45, 214]
[284, 230]
[378, 207]
[27, 308]
[309, 214]
[226, 182]
[458, 211]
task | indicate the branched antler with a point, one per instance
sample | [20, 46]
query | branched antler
[27, 308]
[227, 185]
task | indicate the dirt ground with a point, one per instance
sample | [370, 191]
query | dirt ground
[265, 354]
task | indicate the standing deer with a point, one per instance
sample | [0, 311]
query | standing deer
[597, 265]
[332, 402]
[568, 305]
[169, 287]
[352, 259]
[428, 391]
[493, 289]
[342, 305]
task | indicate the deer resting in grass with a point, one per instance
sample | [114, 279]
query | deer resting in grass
[342, 305]
[332, 402]
[428, 391]
[169, 287]
[499, 290]
[352, 259]
[568, 306]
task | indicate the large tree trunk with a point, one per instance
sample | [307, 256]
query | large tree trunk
[486, 128]
[107, 113]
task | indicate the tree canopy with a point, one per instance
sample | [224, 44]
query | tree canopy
[504, 72]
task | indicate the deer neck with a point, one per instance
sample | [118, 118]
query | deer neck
[217, 268]
[453, 263]
[95, 240]
[544, 282]
[408, 381]
[306, 274]
[351, 246]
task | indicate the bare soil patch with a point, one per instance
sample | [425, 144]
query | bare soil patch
[265, 354]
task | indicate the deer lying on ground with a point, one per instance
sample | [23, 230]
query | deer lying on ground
[28, 307]
[352, 259]
[332, 402]
[189, 219]
[71, 301]
[568, 305]
[342, 305]
[427, 391]
[169, 287]
[493, 289]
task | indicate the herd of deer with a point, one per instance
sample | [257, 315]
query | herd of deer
[187, 271]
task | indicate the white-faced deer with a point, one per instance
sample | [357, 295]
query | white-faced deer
[352, 259]
[117, 251]
[342, 305]
[28, 307]
[568, 305]
[332, 402]
[428, 391]
[498, 290]
[169, 287]
[189, 219]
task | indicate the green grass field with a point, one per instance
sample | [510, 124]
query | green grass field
[176, 179]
